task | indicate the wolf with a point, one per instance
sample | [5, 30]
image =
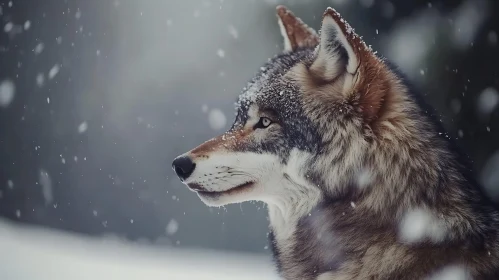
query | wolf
[360, 179]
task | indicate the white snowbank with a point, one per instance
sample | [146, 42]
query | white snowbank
[33, 253]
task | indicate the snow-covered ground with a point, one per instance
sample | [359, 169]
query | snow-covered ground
[28, 253]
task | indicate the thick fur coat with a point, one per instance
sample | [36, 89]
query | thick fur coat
[360, 181]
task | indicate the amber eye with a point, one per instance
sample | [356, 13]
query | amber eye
[263, 123]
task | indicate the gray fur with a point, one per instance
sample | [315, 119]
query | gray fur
[366, 174]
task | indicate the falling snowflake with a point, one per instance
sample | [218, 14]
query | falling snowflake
[233, 32]
[221, 53]
[451, 273]
[364, 178]
[7, 91]
[27, 25]
[53, 71]
[217, 119]
[172, 227]
[39, 48]
[40, 79]
[8, 27]
[83, 127]
[487, 101]
[420, 224]
[46, 184]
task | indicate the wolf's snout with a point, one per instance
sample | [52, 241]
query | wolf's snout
[183, 166]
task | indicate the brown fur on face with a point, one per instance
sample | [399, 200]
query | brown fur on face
[225, 142]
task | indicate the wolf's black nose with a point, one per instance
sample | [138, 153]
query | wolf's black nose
[183, 166]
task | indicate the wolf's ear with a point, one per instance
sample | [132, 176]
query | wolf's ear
[344, 67]
[338, 49]
[296, 33]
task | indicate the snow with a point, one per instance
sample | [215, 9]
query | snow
[48, 100]
[82, 127]
[46, 184]
[233, 32]
[78, 14]
[40, 79]
[221, 53]
[468, 18]
[53, 71]
[18, 213]
[10, 184]
[39, 48]
[8, 27]
[27, 25]
[419, 225]
[172, 227]
[54, 255]
[487, 101]
[7, 92]
[364, 178]
[204, 108]
[451, 273]
[217, 119]
[407, 45]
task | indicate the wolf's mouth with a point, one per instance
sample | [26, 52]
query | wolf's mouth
[234, 190]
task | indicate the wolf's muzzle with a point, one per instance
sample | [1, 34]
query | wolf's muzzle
[183, 167]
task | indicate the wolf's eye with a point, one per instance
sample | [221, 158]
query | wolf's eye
[263, 123]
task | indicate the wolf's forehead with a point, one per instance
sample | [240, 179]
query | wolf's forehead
[269, 88]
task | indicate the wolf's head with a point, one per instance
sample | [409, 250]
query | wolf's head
[304, 125]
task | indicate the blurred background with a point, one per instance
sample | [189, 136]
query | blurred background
[98, 97]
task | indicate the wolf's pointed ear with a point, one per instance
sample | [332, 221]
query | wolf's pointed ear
[343, 53]
[296, 33]
[339, 48]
